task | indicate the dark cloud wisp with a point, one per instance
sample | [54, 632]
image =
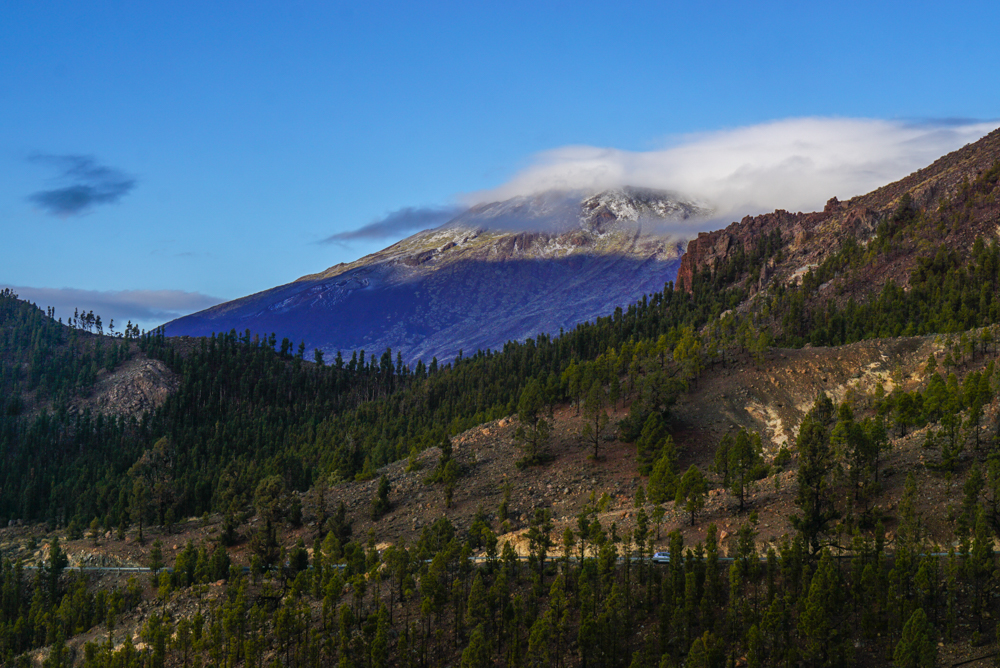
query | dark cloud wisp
[87, 184]
[402, 221]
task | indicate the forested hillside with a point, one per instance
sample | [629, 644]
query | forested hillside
[253, 421]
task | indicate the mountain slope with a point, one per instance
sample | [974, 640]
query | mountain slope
[475, 282]
[896, 470]
[948, 203]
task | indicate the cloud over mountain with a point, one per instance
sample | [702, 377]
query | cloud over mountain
[793, 164]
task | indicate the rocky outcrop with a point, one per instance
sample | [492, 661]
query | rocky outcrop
[136, 386]
[702, 251]
[807, 238]
[710, 248]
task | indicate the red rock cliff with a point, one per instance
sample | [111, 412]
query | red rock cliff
[712, 247]
[706, 249]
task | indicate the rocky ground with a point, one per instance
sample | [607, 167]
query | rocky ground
[138, 385]
[770, 397]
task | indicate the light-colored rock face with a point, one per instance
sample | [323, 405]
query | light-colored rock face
[500, 271]
[134, 387]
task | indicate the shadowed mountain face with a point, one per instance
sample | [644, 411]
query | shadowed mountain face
[473, 283]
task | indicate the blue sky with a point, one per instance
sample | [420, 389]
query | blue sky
[157, 157]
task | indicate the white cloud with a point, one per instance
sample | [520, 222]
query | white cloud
[794, 164]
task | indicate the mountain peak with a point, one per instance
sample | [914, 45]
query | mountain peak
[561, 211]
[498, 271]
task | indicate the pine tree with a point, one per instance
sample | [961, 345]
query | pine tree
[380, 504]
[916, 647]
[817, 463]
[663, 478]
[819, 623]
[156, 556]
[539, 655]
[477, 653]
[57, 563]
[380, 643]
[477, 606]
[981, 566]
[533, 431]
[744, 459]
[595, 416]
[650, 443]
[706, 651]
[691, 491]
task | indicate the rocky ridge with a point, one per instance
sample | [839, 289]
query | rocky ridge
[810, 237]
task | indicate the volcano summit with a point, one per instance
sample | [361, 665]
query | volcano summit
[497, 272]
